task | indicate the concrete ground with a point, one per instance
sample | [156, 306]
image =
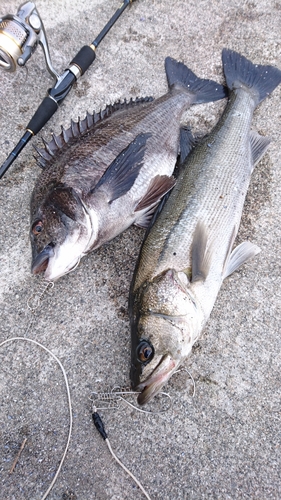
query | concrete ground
[224, 443]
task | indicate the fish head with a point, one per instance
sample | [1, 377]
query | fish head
[59, 233]
[165, 323]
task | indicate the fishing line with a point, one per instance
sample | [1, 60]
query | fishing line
[116, 395]
[100, 427]
[113, 397]
[150, 412]
[33, 303]
[32, 307]
[38, 297]
[186, 370]
[127, 470]
[73, 268]
[68, 397]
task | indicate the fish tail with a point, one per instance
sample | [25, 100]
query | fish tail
[204, 90]
[240, 72]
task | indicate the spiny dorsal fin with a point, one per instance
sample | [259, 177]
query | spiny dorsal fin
[78, 129]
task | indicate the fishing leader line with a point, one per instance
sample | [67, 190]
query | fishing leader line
[116, 394]
[100, 427]
[112, 398]
[33, 303]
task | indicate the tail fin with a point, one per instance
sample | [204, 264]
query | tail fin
[239, 71]
[204, 90]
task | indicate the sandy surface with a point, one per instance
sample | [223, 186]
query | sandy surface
[225, 442]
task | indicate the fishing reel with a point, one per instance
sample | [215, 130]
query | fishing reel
[20, 35]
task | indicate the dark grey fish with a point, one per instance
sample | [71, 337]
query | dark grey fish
[110, 171]
[188, 252]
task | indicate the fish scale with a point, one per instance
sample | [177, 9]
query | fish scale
[188, 251]
[201, 183]
[109, 171]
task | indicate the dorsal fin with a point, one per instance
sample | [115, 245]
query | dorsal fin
[78, 129]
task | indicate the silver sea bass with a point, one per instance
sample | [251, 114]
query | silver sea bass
[109, 171]
[188, 252]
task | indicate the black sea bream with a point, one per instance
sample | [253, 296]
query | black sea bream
[188, 251]
[109, 171]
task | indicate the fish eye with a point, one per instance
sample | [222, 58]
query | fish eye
[145, 351]
[37, 227]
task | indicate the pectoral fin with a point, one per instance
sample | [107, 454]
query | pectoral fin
[200, 254]
[145, 219]
[123, 171]
[151, 215]
[239, 256]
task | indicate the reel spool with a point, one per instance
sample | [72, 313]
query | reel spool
[20, 35]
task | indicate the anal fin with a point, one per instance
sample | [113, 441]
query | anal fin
[187, 142]
[239, 256]
[259, 146]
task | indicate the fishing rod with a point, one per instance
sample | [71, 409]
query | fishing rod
[27, 26]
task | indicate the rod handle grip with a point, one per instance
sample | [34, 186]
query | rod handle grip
[84, 58]
[44, 112]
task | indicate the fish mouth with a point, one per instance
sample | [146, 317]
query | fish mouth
[43, 263]
[153, 384]
[40, 263]
[59, 259]
[52, 273]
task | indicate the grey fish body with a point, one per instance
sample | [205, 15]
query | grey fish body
[188, 251]
[156, 161]
[211, 188]
[110, 174]
[85, 161]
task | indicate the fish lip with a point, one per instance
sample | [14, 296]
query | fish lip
[66, 265]
[40, 263]
[153, 384]
[51, 277]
